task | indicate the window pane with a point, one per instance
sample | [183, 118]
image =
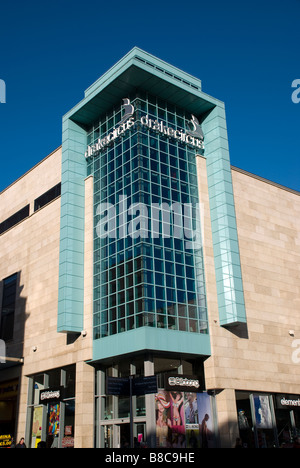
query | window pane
[8, 308]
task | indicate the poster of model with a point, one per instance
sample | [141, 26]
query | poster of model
[183, 420]
[191, 408]
[191, 420]
[206, 425]
[170, 427]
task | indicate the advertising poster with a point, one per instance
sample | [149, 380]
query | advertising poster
[170, 426]
[191, 420]
[263, 414]
[54, 415]
[37, 421]
[206, 425]
[183, 420]
[191, 408]
[5, 441]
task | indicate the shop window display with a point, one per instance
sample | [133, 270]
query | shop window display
[53, 414]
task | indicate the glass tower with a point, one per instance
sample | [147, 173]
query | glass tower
[148, 261]
[133, 144]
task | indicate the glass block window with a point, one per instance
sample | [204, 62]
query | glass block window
[148, 271]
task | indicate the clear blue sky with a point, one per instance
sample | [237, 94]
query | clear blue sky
[245, 52]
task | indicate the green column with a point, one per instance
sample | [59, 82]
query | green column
[223, 220]
[71, 260]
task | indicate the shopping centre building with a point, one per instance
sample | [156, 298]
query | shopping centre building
[136, 250]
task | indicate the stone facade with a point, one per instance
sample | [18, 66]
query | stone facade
[256, 356]
[32, 249]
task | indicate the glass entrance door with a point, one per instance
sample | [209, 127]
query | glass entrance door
[284, 427]
[118, 435]
[297, 423]
[124, 435]
[108, 435]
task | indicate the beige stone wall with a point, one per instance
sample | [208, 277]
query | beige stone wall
[32, 249]
[268, 220]
[257, 357]
[254, 358]
[30, 186]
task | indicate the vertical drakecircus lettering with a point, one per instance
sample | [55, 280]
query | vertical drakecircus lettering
[144, 120]
[130, 123]
[193, 138]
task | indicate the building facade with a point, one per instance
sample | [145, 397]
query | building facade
[136, 250]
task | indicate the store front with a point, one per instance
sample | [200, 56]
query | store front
[287, 412]
[268, 420]
[178, 415]
[51, 409]
[8, 411]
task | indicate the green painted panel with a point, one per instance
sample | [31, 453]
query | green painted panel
[71, 276]
[223, 220]
[153, 339]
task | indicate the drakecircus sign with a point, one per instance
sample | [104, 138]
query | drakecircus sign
[183, 383]
[50, 395]
[193, 137]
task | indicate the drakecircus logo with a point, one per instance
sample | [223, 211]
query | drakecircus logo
[193, 137]
[183, 382]
[50, 395]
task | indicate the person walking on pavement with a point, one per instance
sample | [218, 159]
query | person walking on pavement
[21, 444]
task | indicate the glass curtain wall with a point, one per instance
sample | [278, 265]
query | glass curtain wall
[146, 273]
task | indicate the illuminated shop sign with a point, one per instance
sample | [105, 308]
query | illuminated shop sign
[287, 401]
[193, 137]
[183, 383]
[51, 395]
[5, 441]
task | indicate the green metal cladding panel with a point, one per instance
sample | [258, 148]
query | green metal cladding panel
[135, 69]
[71, 262]
[223, 221]
[153, 339]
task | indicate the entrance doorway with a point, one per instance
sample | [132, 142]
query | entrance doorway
[124, 435]
[108, 436]
[118, 435]
[8, 411]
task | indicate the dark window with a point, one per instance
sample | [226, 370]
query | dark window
[8, 308]
[14, 219]
[47, 197]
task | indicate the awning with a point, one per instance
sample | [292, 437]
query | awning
[10, 362]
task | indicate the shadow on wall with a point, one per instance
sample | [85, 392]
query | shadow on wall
[12, 331]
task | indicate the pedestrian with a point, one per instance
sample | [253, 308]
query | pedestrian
[238, 443]
[41, 444]
[21, 444]
[13, 444]
[205, 432]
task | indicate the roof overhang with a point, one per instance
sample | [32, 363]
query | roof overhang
[7, 362]
[140, 70]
